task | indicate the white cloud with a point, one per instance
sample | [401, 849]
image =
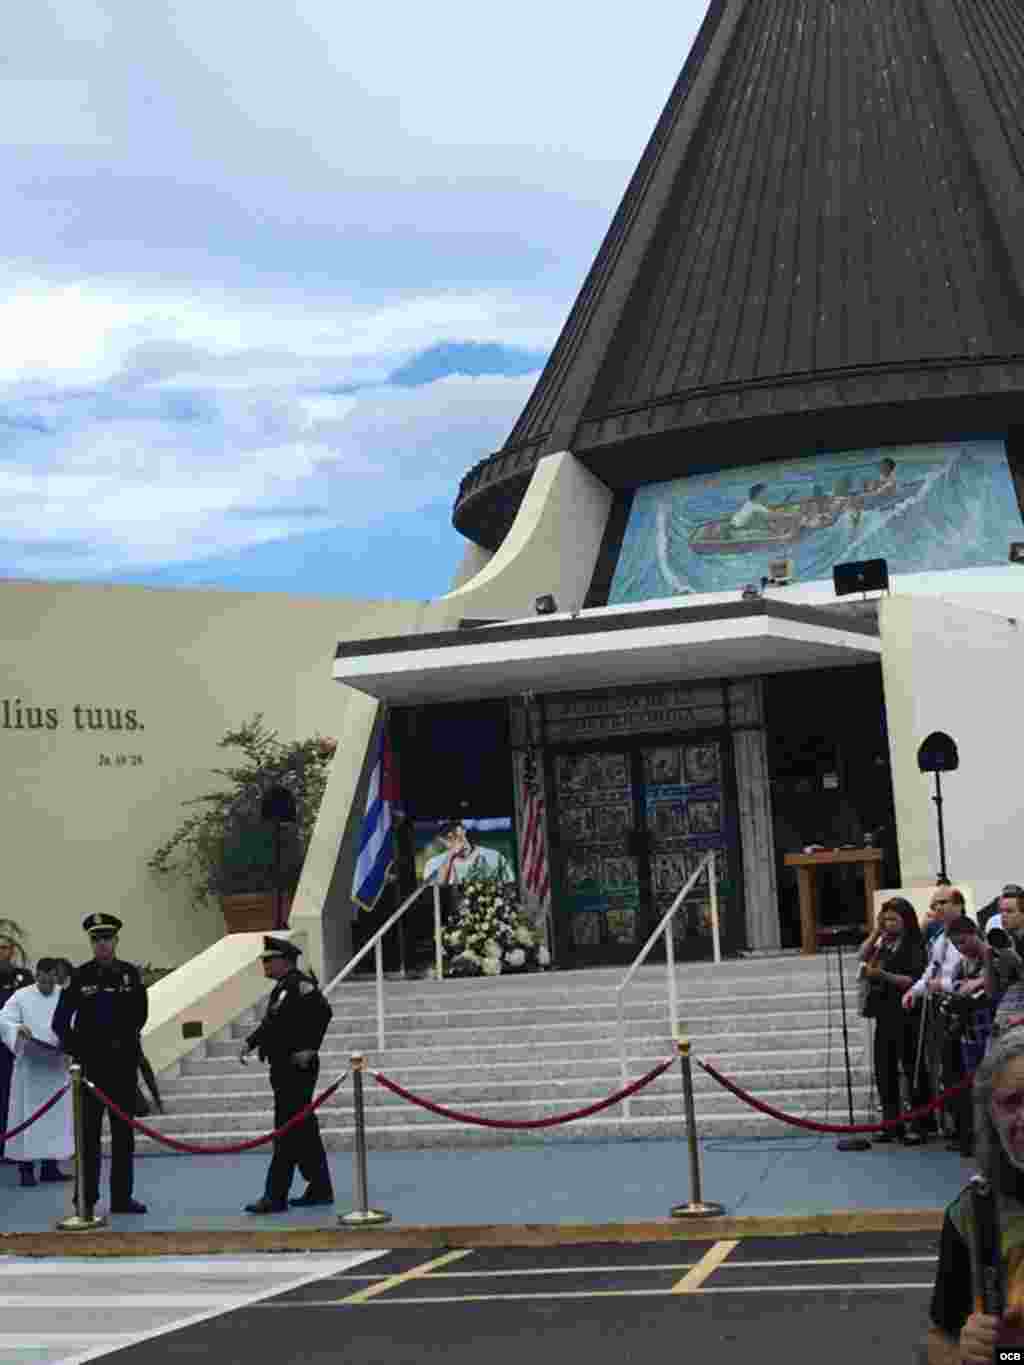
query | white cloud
[211, 235]
[54, 112]
[90, 331]
[143, 493]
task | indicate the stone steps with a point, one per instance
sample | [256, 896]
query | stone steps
[447, 1088]
[570, 1030]
[444, 1133]
[530, 1047]
[253, 1080]
[228, 1110]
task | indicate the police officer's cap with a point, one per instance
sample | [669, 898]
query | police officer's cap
[102, 926]
[279, 947]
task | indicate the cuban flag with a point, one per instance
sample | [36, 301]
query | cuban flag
[376, 845]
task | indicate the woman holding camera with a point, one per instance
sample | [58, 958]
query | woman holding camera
[893, 958]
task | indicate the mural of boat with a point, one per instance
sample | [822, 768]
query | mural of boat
[794, 521]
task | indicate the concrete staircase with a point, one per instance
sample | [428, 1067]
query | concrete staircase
[532, 1046]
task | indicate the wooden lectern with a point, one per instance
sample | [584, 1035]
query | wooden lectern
[807, 865]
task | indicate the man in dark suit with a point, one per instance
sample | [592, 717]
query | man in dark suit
[289, 1039]
[99, 1020]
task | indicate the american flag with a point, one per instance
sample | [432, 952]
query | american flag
[533, 856]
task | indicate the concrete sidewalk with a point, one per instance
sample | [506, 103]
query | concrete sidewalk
[586, 1182]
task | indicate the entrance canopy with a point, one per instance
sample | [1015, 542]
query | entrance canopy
[606, 648]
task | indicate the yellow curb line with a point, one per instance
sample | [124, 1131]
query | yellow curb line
[417, 1273]
[336, 1237]
[707, 1265]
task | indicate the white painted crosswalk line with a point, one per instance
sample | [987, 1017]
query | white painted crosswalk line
[67, 1312]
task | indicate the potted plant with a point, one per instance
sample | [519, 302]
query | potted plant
[227, 850]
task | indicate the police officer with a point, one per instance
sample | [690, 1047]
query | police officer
[289, 1039]
[12, 979]
[98, 1021]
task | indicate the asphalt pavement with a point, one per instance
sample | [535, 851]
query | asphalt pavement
[803, 1299]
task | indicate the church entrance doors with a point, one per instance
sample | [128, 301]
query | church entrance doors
[631, 821]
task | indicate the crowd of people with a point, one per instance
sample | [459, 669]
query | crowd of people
[948, 1003]
[940, 995]
[94, 1014]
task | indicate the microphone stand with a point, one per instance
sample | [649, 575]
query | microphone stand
[943, 877]
[848, 1144]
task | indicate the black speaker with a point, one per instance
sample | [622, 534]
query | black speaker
[938, 754]
[863, 575]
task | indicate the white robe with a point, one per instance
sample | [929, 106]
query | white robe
[37, 1074]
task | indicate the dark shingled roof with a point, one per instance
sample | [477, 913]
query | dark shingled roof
[822, 247]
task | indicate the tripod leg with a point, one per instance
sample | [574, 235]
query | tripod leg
[922, 1030]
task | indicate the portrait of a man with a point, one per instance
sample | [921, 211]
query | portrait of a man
[462, 857]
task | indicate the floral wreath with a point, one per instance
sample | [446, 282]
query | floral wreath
[489, 933]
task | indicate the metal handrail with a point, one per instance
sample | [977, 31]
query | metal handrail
[664, 927]
[378, 952]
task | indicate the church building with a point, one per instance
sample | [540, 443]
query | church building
[758, 530]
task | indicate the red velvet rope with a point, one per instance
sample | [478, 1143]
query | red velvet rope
[224, 1150]
[909, 1116]
[4, 1137]
[523, 1123]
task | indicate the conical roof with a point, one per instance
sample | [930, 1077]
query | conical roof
[822, 247]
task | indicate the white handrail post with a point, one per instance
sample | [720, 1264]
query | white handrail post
[623, 1062]
[713, 887]
[438, 950]
[378, 953]
[670, 964]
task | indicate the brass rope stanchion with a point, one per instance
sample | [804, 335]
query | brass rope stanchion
[79, 1221]
[362, 1216]
[697, 1207]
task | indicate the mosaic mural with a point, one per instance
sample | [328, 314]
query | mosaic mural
[934, 507]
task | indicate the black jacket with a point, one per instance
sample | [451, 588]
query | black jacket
[101, 1013]
[296, 1019]
[906, 959]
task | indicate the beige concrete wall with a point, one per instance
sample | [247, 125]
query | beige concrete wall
[948, 668]
[474, 559]
[217, 986]
[183, 667]
[552, 547]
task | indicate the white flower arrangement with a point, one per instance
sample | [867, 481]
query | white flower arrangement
[489, 934]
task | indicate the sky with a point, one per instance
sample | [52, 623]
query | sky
[273, 278]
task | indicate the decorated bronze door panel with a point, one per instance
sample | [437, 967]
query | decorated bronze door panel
[685, 818]
[596, 815]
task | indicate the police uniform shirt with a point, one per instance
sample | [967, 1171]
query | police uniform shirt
[296, 1019]
[12, 979]
[110, 1006]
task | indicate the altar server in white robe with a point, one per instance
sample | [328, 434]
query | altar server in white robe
[40, 1068]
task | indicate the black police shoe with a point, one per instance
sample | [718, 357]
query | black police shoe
[310, 1199]
[51, 1174]
[129, 1206]
[268, 1206]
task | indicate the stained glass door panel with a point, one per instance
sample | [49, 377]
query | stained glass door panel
[685, 819]
[596, 817]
